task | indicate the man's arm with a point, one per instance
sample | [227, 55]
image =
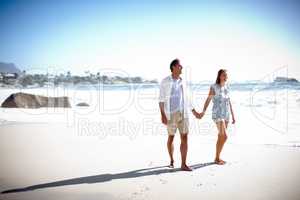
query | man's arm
[162, 112]
[190, 105]
[162, 98]
[195, 113]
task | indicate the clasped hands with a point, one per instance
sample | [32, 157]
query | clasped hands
[198, 115]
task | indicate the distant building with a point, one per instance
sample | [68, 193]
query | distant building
[9, 78]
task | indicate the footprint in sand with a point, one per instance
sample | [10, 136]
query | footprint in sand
[163, 181]
[141, 194]
[146, 188]
[199, 184]
[135, 195]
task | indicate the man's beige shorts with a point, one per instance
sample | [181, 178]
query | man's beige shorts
[177, 121]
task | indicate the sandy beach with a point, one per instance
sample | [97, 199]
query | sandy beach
[46, 155]
[47, 161]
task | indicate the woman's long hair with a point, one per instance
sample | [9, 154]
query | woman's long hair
[219, 74]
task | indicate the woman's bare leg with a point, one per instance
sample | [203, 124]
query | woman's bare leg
[222, 137]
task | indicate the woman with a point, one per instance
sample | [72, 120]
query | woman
[221, 110]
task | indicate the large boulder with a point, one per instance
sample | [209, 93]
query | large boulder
[24, 100]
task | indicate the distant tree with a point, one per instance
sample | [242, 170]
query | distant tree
[76, 79]
[98, 77]
[16, 75]
[40, 79]
[104, 79]
[26, 80]
[137, 80]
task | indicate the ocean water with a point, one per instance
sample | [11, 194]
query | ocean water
[266, 113]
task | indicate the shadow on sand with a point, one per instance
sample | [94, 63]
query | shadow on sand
[106, 177]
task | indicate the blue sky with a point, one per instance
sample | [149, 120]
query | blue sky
[249, 38]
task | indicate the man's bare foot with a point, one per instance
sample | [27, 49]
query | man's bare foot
[186, 168]
[171, 164]
[220, 162]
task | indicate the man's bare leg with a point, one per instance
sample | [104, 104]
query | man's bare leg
[171, 149]
[183, 150]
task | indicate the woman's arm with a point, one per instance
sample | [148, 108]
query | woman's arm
[208, 99]
[232, 114]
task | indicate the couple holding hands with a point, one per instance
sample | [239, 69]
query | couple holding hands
[175, 107]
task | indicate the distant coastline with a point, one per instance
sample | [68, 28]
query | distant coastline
[11, 77]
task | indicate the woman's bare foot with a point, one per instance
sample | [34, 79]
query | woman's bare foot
[219, 162]
[186, 168]
[171, 164]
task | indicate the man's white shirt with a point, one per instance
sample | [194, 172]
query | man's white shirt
[165, 95]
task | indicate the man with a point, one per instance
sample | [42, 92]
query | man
[174, 107]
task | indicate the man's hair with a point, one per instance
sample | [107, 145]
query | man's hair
[173, 63]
